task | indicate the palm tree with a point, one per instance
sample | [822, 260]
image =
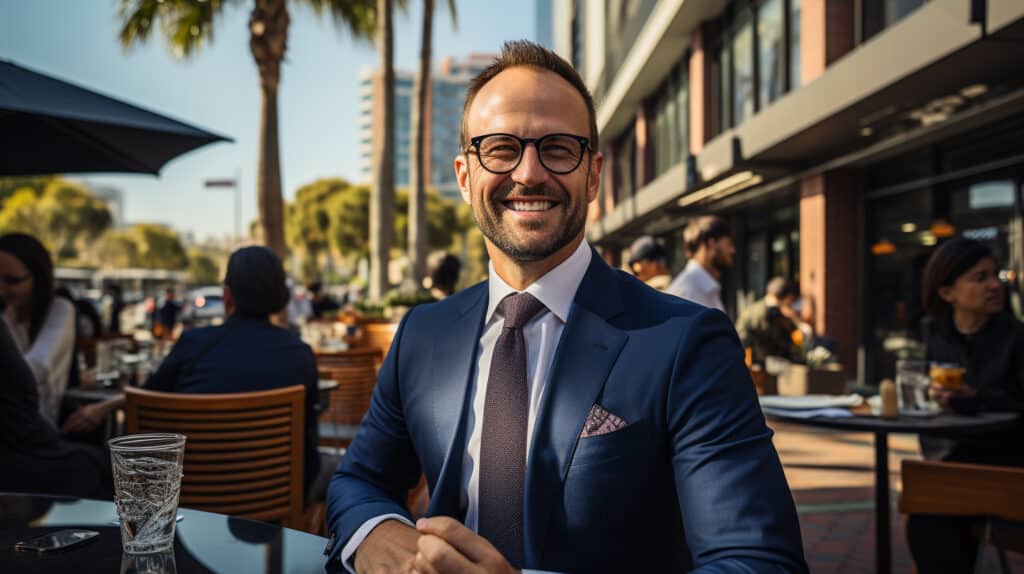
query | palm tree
[382, 198]
[420, 108]
[188, 24]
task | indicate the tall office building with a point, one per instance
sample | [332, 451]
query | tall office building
[842, 139]
[446, 97]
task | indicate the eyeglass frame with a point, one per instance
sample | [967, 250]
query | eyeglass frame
[474, 142]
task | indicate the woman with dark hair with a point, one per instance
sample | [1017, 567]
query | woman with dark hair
[43, 326]
[968, 326]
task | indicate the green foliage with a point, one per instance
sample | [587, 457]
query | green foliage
[443, 221]
[203, 269]
[117, 248]
[62, 214]
[159, 247]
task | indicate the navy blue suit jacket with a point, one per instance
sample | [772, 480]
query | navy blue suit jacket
[692, 481]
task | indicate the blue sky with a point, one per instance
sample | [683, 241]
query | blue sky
[218, 89]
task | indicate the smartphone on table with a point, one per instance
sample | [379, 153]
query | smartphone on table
[56, 540]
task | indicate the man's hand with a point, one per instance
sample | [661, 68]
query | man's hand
[448, 547]
[86, 418]
[388, 549]
[942, 395]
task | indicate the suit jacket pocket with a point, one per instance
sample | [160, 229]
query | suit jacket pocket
[616, 446]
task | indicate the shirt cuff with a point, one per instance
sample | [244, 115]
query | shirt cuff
[361, 533]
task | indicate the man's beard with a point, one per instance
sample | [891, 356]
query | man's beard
[487, 215]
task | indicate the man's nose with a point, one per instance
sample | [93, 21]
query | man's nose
[530, 171]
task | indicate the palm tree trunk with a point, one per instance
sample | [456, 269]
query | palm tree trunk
[268, 39]
[382, 200]
[417, 193]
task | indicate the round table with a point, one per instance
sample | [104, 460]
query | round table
[944, 424]
[204, 542]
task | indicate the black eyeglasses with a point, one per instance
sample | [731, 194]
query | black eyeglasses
[558, 153]
[12, 280]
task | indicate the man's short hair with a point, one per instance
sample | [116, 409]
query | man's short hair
[702, 229]
[257, 281]
[645, 248]
[780, 288]
[525, 53]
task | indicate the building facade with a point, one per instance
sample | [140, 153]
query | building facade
[843, 140]
[449, 82]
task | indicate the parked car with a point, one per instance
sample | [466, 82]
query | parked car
[204, 306]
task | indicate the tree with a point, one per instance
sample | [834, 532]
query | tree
[309, 222]
[203, 269]
[62, 214]
[421, 106]
[159, 247]
[188, 24]
[382, 200]
[115, 249]
[442, 223]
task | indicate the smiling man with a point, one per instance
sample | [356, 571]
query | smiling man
[566, 416]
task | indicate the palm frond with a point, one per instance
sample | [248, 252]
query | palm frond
[186, 25]
[358, 16]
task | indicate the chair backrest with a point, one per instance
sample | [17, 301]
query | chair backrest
[244, 453]
[379, 335]
[962, 489]
[355, 371]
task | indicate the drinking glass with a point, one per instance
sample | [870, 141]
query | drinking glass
[912, 382]
[147, 481]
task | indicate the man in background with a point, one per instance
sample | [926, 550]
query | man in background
[709, 245]
[649, 262]
[764, 327]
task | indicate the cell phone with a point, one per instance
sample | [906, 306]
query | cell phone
[57, 540]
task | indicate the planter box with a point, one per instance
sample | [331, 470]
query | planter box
[802, 380]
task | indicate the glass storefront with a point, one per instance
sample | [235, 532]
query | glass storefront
[905, 223]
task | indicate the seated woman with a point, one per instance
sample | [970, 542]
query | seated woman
[246, 353]
[35, 459]
[43, 326]
[969, 326]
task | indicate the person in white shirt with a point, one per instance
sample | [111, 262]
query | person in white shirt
[709, 245]
[42, 325]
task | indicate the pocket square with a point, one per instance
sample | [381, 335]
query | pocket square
[601, 421]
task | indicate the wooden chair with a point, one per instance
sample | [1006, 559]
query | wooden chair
[994, 494]
[378, 335]
[244, 453]
[355, 371]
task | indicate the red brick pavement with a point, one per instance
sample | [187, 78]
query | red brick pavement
[831, 474]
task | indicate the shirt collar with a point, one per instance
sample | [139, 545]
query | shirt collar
[556, 289]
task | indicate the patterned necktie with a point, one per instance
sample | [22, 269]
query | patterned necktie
[503, 440]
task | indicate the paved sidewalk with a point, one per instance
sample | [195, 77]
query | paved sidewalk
[831, 474]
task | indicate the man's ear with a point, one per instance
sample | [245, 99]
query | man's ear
[594, 177]
[462, 175]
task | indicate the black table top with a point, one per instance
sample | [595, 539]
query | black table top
[204, 541]
[938, 425]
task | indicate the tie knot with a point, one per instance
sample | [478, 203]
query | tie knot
[519, 309]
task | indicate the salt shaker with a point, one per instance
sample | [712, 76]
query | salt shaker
[890, 405]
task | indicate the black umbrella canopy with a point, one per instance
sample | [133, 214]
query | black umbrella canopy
[51, 126]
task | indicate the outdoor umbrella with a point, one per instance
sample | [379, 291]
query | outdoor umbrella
[51, 126]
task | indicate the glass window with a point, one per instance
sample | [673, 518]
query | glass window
[724, 87]
[683, 109]
[743, 68]
[670, 108]
[794, 44]
[771, 51]
[880, 14]
[625, 165]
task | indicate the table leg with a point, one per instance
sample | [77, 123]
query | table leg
[883, 537]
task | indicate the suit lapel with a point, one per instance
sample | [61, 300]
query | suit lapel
[588, 349]
[450, 371]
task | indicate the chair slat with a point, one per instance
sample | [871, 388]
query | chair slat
[243, 453]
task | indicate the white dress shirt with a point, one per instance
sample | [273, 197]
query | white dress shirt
[697, 285]
[49, 356]
[556, 290]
